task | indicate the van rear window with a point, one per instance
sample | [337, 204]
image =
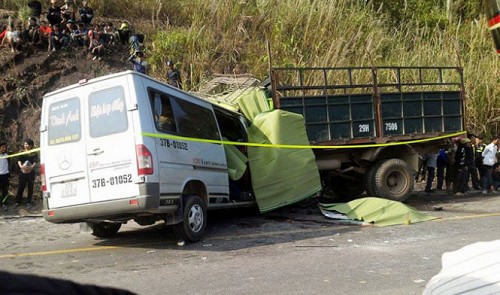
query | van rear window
[108, 113]
[64, 121]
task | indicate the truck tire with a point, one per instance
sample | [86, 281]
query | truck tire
[393, 180]
[369, 180]
[104, 229]
[194, 220]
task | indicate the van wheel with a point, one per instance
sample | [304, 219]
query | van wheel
[194, 220]
[104, 229]
[393, 180]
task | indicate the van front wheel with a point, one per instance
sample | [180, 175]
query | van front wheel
[104, 229]
[194, 220]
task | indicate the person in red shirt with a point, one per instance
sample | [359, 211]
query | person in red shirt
[44, 32]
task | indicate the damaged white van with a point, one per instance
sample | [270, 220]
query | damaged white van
[106, 157]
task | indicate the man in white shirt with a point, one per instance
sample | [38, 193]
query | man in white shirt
[489, 159]
[4, 175]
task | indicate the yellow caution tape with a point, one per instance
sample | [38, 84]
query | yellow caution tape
[268, 145]
[21, 153]
[290, 146]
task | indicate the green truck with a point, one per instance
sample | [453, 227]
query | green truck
[368, 125]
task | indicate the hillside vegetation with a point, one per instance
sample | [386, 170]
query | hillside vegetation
[232, 36]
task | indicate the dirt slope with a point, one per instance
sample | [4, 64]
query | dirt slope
[28, 75]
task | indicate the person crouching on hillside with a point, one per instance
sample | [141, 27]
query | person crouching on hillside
[13, 37]
[139, 62]
[96, 40]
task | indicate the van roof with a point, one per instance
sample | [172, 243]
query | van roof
[86, 82]
[130, 72]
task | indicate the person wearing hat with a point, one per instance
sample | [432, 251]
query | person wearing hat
[139, 62]
[489, 159]
[464, 159]
[173, 75]
[86, 13]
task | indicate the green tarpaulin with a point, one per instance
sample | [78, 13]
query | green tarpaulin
[281, 176]
[381, 212]
[236, 162]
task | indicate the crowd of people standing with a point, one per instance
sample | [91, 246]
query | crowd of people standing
[465, 163]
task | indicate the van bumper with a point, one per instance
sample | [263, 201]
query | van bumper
[148, 203]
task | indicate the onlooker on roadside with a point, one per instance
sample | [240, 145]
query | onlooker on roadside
[431, 167]
[36, 9]
[441, 167]
[111, 33]
[27, 163]
[489, 160]
[45, 32]
[139, 62]
[496, 177]
[3, 32]
[54, 15]
[124, 33]
[13, 37]
[136, 42]
[473, 171]
[80, 35]
[86, 13]
[57, 39]
[479, 157]
[68, 11]
[96, 42]
[32, 32]
[463, 161]
[4, 175]
[422, 168]
[173, 75]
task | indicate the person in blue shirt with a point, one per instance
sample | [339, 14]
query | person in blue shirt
[139, 62]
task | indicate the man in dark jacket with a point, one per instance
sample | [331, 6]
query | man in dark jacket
[464, 159]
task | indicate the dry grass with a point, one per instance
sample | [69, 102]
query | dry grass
[231, 36]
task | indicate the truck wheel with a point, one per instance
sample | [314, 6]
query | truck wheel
[393, 180]
[368, 180]
[104, 229]
[194, 220]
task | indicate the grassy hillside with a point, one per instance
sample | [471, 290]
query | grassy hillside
[231, 36]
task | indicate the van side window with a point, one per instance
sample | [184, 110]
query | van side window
[108, 113]
[64, 121]
[176, 116]
[163, 113]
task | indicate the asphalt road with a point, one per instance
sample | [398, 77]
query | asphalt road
[294, 250]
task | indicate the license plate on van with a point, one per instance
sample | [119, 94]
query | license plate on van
[68, 189]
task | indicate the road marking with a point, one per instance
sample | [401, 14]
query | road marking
[468, 216]
[276, 233]
[41, 253]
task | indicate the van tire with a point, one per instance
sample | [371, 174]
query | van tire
[104, 229]
[194, 220]
[393, 180]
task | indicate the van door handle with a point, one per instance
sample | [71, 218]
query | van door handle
[96, 152]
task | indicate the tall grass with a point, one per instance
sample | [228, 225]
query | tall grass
[231, 36]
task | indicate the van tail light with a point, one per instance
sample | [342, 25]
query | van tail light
[42, 177]
[144, 160]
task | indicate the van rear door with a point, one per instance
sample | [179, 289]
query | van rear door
[111, 149]
[63, 151]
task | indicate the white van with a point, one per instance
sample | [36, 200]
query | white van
[105, 158]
